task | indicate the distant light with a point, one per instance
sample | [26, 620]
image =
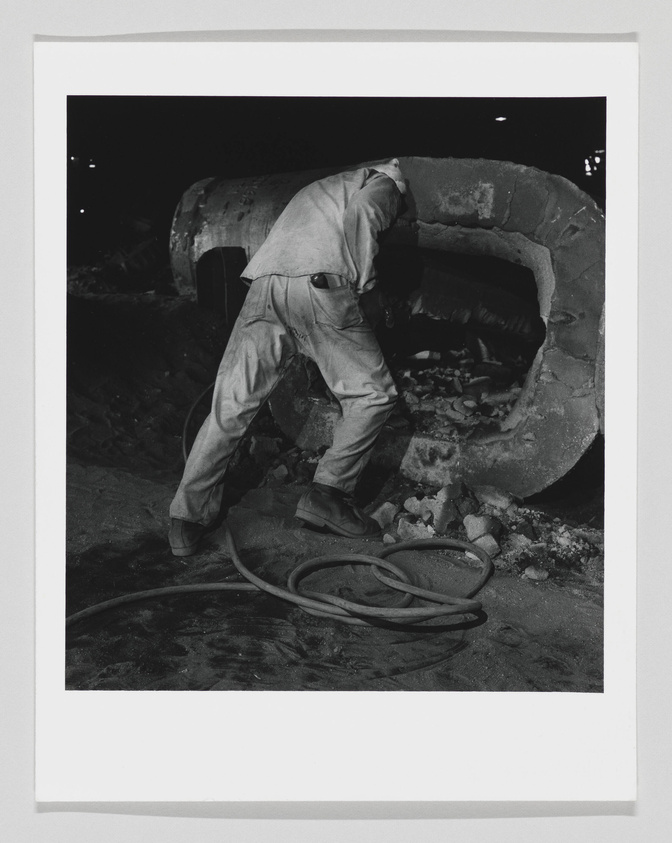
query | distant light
[81, 210]
[500, 119]
[92, 166]
[597, 159]
[72, 158]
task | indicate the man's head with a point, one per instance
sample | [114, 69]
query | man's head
[391, 168]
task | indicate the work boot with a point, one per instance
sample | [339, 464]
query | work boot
[184, 537]
[325, 506]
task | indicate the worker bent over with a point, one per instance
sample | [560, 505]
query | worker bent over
[306, 280]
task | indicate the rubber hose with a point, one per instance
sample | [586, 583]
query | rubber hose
[327, 605]
[187, 421]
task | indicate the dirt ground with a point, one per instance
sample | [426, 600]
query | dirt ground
[136, 363]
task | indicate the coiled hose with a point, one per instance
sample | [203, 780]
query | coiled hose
[328, 605]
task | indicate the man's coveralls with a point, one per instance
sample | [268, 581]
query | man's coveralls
[329, 229]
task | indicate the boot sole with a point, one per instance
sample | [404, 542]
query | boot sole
[318, 521]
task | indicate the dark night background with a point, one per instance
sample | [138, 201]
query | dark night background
[133, 157]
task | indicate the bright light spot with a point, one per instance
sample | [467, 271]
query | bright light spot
[92, 166]
[597, 159]
[72, 157]
[81, 210]
[500, 119]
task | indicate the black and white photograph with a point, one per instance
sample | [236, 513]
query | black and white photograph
[327, 369]
[335, 393]
[335, 457]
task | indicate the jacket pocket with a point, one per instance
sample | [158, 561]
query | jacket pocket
[337, 307]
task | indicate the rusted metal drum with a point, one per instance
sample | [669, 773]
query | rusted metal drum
[477, 207]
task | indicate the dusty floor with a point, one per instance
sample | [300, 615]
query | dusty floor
[136, 364]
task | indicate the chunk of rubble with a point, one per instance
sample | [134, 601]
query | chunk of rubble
[494, 497]
[466, 506]
[445, 514]
[478, 387]
[488, 543]
[415, 505]
[425, 355]
[517, 543]
[388, 538]
[475, 526]
[384, 514]
[533, 572]
[480, 525]
[524, 528]
[467, 406]
[438, 510]
[279, 473]
[408, 530]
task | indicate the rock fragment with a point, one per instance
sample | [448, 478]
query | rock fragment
[467, 506]
[492, 496]
[445, 514]
[525, 528]
[384, 514]
[480, 525]
[415, 505]
[533, 572]
[413, 530]
[488, 543]
[517, 543]
[279, 473]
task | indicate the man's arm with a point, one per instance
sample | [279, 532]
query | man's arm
[371, 211]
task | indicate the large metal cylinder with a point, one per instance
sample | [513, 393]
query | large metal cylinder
[479, 207]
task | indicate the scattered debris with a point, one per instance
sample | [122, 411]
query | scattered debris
[159, 354]
[434, 391]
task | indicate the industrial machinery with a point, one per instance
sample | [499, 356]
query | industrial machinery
[511, 255]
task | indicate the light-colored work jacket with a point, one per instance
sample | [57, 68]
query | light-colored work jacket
[331, 226]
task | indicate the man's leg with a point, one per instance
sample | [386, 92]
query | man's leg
[250, 369]
[356, 372]
[354, 369]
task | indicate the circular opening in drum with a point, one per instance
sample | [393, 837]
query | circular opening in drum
[461, 334]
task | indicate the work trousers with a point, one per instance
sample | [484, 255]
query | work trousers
[282, 317]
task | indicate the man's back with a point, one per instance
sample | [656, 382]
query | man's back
[331, 226]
